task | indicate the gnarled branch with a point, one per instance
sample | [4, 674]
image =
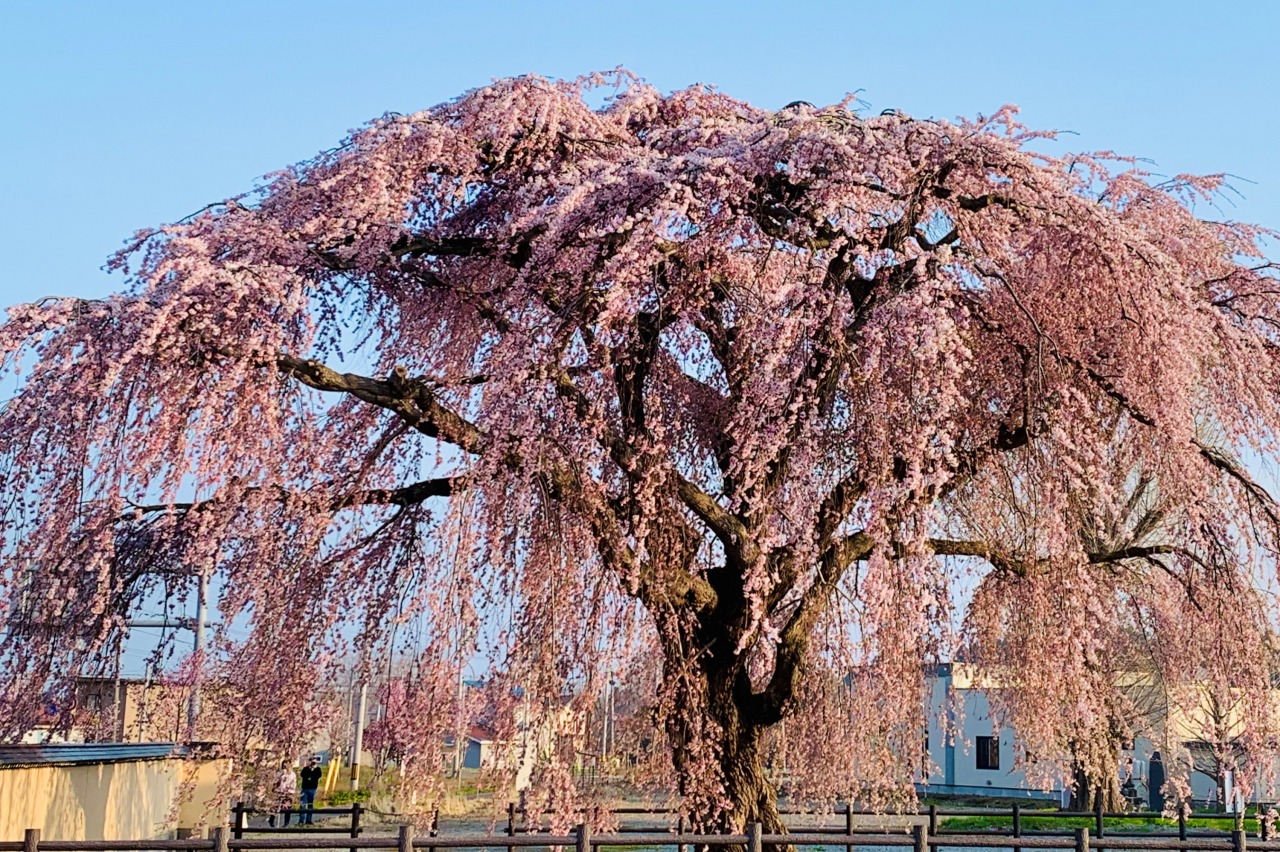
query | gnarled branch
[405, 495]
[411, 400]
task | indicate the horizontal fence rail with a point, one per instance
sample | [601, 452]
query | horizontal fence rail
[518, 821]
[584, 840]
[927, 837]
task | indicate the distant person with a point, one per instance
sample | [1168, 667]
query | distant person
[310, 782]
[286, 794]
[1128, 789]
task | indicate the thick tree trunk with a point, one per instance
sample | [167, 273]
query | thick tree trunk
[1087, 791]
[715, 722]
[753, 795]
[727, 742]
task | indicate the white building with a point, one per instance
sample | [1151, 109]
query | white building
[969, 754]
[980, 757]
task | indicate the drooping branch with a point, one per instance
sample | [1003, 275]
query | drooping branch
[724, 524]
[984, 550]
[770, 705]
[1233, 469]
[425, 244]
[407, 495]
[410, 245]
[666, 586]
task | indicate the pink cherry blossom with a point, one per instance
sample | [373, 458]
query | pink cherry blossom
[743, 404]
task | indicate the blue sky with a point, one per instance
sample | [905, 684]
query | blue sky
[121, 115]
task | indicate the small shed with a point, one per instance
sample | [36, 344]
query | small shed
[106, 791]
[479, 749]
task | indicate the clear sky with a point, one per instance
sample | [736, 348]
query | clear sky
[120, 115]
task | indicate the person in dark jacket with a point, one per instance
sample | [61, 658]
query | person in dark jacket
[310, 781]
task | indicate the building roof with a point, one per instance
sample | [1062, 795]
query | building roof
[85, 680]
[475, 732]
[70, 754]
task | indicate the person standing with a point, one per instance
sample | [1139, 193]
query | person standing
[1128, 789]
[310, 781]
[286, 794]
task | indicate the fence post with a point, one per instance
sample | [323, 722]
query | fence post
[511, 823]
[220, 843]
[848, 825]
[355, 822]
[1097, 811]
[237, 821]
[1182, 820]
[584, 837]
[1264, 824]
[405, 843]
[31, 840]
[1238, 840]
[680, 847]
[1017, 823]
[933, 819]
[1082, 840]
[920, 838]
[753, 838]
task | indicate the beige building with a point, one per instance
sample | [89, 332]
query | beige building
[108, 791]
[127, 710]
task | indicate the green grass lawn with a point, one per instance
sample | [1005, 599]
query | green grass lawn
[1045, 823]
[343, 798]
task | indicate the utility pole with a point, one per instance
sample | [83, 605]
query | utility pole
[197, 626]
[202, 605]
[460, 738]
[606, 728]
[357, 742]
[117, 697]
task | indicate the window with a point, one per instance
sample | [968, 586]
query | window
[988, 752]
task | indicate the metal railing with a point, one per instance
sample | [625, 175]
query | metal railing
[583, 840]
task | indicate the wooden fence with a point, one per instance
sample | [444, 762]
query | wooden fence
[929, 835]
[240, 821]
[518, 821]
[584, 840]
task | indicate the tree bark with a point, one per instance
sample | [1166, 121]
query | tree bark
[748, 788]
[715, 722]
[1087, 790]
[727, 740]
